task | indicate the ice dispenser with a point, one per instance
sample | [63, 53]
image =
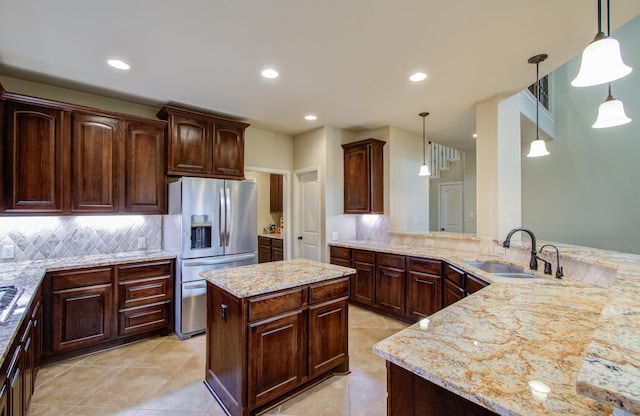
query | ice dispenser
[200, 231]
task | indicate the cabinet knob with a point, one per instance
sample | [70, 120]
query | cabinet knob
[223, 309]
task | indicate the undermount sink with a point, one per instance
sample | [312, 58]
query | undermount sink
[500, 269]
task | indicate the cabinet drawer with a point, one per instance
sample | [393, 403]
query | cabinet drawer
[454, 274]
[327, 291]
[143, 270]
[264, 241]
[273, 304]
[475, 283]
[340, 252]
[364, 256]
[81, 278]
[276, 243]
[144, 318]
[391, 260]
[425, 266]
[144, 292]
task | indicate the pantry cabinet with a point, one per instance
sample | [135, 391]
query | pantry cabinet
[364, 177]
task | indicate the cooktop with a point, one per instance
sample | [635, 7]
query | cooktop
[9, 296]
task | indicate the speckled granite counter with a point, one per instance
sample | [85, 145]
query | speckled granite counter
[271, 235]
[29, 275]
[578, 339]
[257, 279]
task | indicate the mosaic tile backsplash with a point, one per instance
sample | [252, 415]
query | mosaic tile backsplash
[42, 238]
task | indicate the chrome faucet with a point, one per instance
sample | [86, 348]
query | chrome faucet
[559, 270]
[533, 262]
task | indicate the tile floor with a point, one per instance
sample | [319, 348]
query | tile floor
[163, 377]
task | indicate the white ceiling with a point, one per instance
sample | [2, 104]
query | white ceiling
[347, 61]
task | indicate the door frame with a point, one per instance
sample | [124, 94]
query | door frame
[286, 201]
[296, 208]
[461, 183]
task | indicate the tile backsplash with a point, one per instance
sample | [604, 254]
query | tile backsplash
[42, 238]
[372, 228]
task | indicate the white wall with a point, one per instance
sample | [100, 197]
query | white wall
[586, 191]
[268, 150]
[470, 214]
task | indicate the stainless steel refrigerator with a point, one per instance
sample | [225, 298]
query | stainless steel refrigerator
[211, 224]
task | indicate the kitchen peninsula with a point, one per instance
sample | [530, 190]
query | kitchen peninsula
[273, 330]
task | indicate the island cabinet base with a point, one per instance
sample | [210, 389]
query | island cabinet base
[409, 394]
[266, 348]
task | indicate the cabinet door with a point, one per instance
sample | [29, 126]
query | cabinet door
[190, 149]
[424, 295]
[390, 289]
[228, 151]
[15, 383]
[275, 193]
[363, 283]
[82, 308]
[277, 356]
[264, 253]
[34, 159]
[4, 406]
[451, 293]
[95, 150]
[357, 191]
[277, 254]
[145, 184]
[28, 363]
[328, 345]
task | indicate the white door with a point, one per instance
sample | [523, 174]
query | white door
[307, 211]
[450, 212]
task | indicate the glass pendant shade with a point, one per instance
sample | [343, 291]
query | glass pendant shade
[601, 63]
[424, 171]
[610, 114]
[538, 148]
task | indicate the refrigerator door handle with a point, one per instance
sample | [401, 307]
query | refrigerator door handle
[227, 216]
[221, 222]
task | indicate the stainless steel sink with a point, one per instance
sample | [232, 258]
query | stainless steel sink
[500, 269]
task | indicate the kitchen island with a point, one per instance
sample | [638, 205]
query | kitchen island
[274, 330]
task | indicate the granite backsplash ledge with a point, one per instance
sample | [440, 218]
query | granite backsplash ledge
[45, 238]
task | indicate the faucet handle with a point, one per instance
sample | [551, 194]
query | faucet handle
[559, 272]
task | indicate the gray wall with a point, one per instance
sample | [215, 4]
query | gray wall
[586, 192]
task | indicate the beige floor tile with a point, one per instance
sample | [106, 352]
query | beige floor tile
[169, 353]
[146, 412]
[122, 356]
[329, 398]
[45, 374]
[49, 409]
[74, 385]
[184, 391]
[368, 396]
[100, 411]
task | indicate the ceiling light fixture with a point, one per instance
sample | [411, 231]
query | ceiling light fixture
[538, 147]
[601, 59]
[611, 113]
[475, 135]
[310, 117]
[117, 63]
[418, 76]
[270, 73]
[424, 169]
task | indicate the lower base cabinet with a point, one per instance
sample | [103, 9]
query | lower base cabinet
[409, 394]
[264, 348]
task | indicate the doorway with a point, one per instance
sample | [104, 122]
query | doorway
[450, 209]
[307, 221]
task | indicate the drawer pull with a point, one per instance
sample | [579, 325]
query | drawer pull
[223, 308]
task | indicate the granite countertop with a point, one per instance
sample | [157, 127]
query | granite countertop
[579, 339]
[28, 276]
[271, 235]
[257, 279]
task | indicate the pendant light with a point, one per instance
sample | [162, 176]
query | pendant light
[538, 147]
[601, 59]
[611, 113]
[424, 169]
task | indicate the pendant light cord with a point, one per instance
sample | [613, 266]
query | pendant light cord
[538, 97]
[599, 16]
[424, 147]
[608, 20]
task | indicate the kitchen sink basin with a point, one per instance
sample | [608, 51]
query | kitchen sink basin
[500, 269]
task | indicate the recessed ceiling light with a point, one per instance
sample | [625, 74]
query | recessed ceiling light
[117, 63]
[270, 73]
[310, 117]
[418, 76]
[475, 135]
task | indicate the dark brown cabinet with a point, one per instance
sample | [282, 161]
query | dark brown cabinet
[424, 287]
[203, 145]
[275, 192]
[363, 283]
[82, 308]
[96, 145]
[453, 289]
[262, 348]
[4, 406]
[270, 249]
[473, 284]
[390, 283]
[340, 256]
[364, 177]
[34, 158]
[145, 185]
[277, 249]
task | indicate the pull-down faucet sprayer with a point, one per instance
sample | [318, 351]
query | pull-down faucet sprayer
[559, 269]
[533, 262]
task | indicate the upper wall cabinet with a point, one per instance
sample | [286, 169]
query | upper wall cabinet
[275, 192]
[203, 145]
[62, 159]
[34, 158]
[363, 177]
